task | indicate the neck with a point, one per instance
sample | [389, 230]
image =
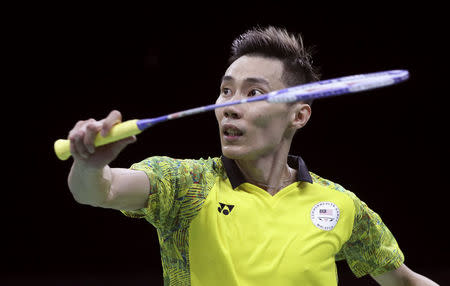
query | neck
[270, 172]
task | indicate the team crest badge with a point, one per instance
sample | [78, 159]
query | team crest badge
[325, 215]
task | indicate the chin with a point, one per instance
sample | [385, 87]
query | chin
[239, 152]
[234, 152]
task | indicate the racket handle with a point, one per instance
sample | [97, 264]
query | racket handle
[118, 132]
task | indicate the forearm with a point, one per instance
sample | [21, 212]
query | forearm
[90, 186]
[403, 276]
[419, 280]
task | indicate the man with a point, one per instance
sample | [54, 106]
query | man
[256, 215]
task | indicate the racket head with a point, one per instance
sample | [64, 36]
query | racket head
[338, 86]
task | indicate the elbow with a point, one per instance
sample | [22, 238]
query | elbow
[79, 198]
[90, 194]
[88, 198]
[89, 187]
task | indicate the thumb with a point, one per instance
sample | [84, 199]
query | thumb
[124, 142]
[121, 144]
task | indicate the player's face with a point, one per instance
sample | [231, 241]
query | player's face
[249, 131]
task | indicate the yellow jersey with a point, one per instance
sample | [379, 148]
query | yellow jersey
[215, 228]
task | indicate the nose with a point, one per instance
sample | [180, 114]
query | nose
[231, 112]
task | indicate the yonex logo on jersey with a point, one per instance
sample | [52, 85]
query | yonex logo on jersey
[225, 209]
[325, 215]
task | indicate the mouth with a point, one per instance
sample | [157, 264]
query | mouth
[231, 132]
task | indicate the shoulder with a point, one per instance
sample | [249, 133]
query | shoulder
[334, 187]
[177, 187]
[350, 199]
[171, 165]
[179, 174]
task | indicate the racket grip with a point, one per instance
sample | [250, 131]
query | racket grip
[118, 132]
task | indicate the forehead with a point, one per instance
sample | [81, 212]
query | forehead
[256, 67]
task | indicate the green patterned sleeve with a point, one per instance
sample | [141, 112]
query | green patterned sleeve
[170, 182]
[371, 249]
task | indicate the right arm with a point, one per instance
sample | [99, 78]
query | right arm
[91, 180]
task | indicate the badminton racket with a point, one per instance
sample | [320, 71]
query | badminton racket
[304, 92]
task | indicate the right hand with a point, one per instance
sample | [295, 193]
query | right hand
[82, 138]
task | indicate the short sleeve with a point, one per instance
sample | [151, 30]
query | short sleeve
[169, 179]
[371, 249]
[177, 190]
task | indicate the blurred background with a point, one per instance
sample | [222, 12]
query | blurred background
[72, 62]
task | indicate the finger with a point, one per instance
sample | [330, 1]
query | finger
[75, 129]
[73, 150]
[92, 129]
[113, 118]
[77, 146]
[79, 124]
[81, 142]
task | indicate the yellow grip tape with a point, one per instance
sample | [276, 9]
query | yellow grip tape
[118, 132]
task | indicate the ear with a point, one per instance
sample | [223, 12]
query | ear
[301, 113]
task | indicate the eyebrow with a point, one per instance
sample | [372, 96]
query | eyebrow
[248, 79]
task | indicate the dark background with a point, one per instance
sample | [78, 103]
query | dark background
[78, 62]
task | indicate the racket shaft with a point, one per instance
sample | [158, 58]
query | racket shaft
[146, 123]
[118, 132]
[213, 106]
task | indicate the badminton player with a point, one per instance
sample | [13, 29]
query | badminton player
[254, 215]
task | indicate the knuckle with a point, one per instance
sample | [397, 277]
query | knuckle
[74, 134]
[71, 136]
[115, 114]
[84, 122]
[79, 123]
[79, 134]
[92, 126]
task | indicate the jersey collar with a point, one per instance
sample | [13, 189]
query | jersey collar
[237, 178]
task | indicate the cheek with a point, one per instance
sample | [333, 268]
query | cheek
[219, 111]
[272, 120]
[219, 114]
[262, 121]
[272, 125]
[268, 130]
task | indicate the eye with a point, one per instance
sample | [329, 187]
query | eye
[255, 92]
[225, 91]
